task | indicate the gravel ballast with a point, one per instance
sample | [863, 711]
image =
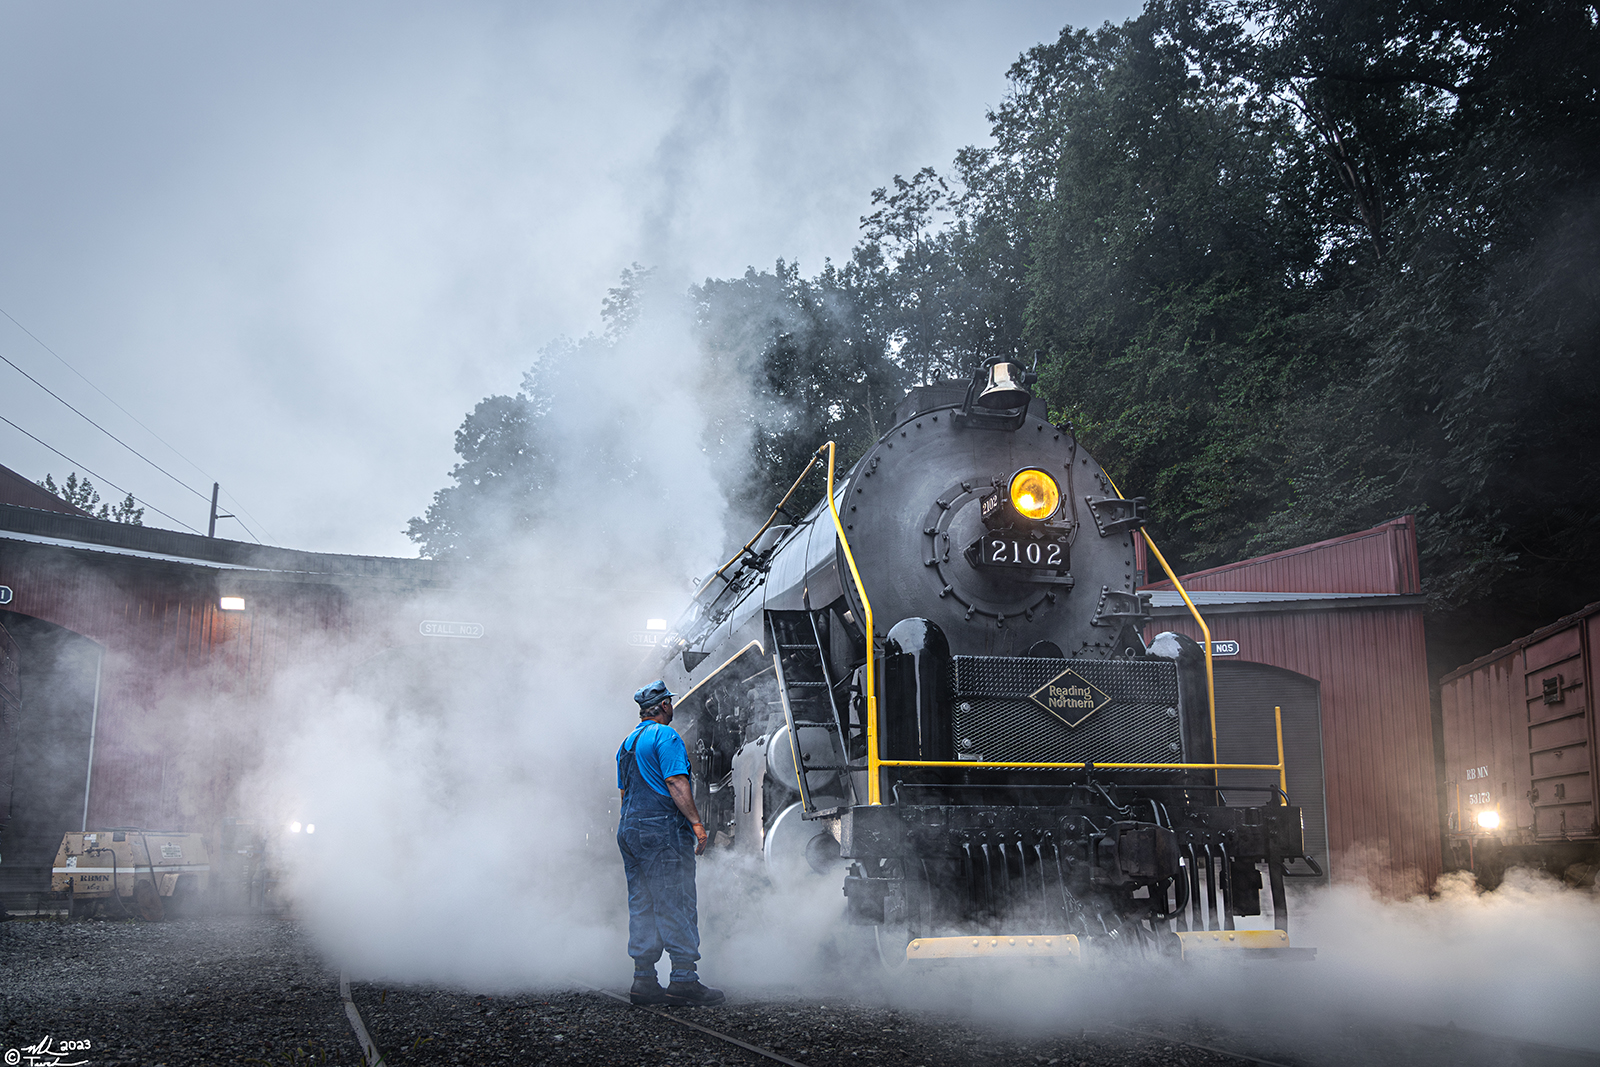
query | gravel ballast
[254, 990]
[193, 991]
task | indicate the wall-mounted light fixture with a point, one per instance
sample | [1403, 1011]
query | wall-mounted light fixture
[231, 603]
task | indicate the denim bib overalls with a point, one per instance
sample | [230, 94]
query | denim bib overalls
[657, 847]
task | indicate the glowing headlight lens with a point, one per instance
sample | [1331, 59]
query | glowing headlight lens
[311, 827]
[1034, 494]
[294, 827]
[1489, 820]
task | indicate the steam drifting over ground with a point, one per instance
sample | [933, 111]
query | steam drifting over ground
[461, 790]
[465, 802]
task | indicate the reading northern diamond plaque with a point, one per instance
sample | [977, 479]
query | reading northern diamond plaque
[1069, 698]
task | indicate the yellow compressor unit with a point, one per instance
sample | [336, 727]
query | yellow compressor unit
[122, 872]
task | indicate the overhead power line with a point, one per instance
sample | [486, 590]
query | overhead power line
[102, 477]
[102, 429]
[130, 415]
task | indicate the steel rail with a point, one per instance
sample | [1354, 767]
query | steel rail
[720, 1036]
[369, 1048]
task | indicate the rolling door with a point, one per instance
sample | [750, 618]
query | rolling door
[56, 672]
[1246, 695]
[1562, 792]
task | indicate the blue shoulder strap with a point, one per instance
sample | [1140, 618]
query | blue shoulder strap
[638, 732]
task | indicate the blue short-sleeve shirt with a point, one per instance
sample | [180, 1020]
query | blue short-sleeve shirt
[660, 753]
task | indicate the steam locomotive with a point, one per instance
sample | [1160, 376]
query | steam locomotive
[932, 690]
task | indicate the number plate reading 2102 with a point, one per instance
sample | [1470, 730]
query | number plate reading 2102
[1002, 551]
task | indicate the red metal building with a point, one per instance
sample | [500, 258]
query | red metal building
[130, 693]
[1335, 629]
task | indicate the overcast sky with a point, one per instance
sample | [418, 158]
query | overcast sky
[298, 241]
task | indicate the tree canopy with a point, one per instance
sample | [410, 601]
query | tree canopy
[81, 494]
[1294, 267]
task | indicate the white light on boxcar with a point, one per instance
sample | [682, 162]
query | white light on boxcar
[1489, 820]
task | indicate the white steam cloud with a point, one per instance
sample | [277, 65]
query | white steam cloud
[461, 789]
[465, 802]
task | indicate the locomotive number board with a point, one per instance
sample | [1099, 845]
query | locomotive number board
[1011, 550]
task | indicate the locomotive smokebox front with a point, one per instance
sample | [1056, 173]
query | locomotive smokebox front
[1019, 541]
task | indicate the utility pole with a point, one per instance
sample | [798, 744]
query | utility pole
[211, 530]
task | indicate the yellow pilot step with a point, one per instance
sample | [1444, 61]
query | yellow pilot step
[952, 948]
[1207, 942]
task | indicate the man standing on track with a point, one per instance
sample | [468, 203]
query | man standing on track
[660, 834]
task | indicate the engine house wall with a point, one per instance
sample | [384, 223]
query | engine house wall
[182, 684]
[1371, 662]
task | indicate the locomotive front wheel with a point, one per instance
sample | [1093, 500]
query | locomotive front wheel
[892, 941]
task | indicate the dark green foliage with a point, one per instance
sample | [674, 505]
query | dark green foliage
[499, 482]
[816, 361]
[1295, 266]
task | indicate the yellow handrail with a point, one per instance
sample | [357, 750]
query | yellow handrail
[1282, 766]
[1097, 765]
[1205, 631]
[874, 791]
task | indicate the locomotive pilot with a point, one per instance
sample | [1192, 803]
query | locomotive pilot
[660, 834]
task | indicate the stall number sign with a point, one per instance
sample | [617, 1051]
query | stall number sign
[434, 628]
[5, 594]
[1474, 773]
[1224, 648]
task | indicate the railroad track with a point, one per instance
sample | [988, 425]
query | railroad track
[593, 1025]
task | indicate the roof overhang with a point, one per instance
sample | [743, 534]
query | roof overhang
[1167, 604]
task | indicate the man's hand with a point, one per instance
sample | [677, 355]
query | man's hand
[683, 797]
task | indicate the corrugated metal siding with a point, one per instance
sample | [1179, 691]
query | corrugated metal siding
[181, 680]
[1383, 816]
[1476, 711]
[1380, 560]
[1496, 717]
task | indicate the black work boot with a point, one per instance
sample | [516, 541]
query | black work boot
[646, 990]
[693, 995]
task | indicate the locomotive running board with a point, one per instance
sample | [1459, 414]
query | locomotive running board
[1244, 944]
[1009, 945]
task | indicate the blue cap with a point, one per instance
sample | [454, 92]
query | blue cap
[652, 694]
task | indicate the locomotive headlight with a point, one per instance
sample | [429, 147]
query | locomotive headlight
[1489, 820]
[1034, 494]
